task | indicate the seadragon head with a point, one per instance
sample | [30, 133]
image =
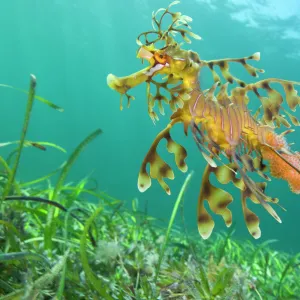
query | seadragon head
[166, 58]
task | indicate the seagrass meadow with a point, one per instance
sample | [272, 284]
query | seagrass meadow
[87, 207]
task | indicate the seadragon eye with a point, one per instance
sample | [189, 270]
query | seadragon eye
[160, 58]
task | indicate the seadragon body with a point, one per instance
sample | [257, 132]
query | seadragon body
[233, 141]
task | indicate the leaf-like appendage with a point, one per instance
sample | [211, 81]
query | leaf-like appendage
[225, 174]
[223, 64]
[179, 152]
[158, 34]
[159, 169]
[292, 98]
[218, 201]
[251, 219]
[272, 104]
[177, 96]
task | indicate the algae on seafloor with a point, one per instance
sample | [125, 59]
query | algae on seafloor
[103, 250]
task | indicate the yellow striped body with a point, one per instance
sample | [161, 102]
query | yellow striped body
[227, 124]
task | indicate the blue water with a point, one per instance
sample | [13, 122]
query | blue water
[71, 47]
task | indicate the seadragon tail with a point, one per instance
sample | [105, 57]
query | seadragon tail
[284, 164]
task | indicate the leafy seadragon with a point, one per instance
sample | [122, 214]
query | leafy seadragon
[233, 141]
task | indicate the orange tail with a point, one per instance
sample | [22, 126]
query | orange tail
[285, 166]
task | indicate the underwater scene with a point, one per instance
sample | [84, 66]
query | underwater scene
[150, 149]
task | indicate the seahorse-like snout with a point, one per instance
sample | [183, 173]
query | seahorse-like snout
[116, 83]
[123, 84]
